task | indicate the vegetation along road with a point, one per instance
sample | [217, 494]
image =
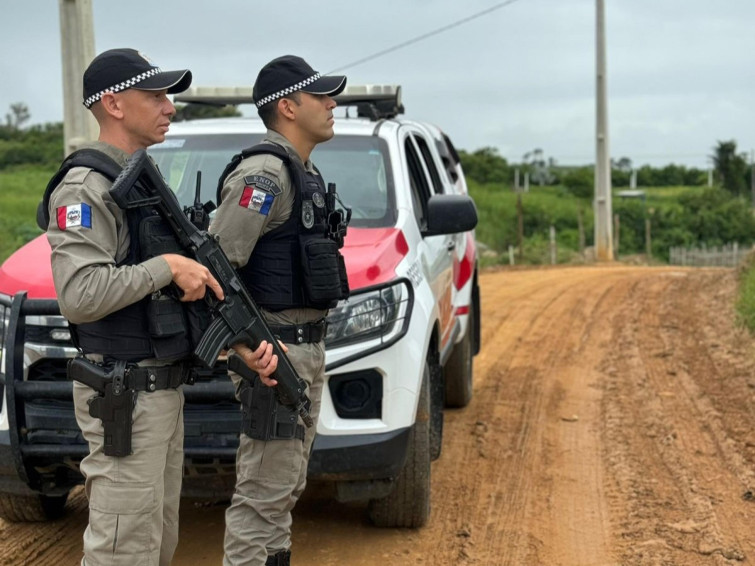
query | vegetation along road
[613, 423]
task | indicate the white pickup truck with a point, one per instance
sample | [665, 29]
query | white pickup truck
[398, 350]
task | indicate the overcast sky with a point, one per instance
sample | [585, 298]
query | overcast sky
[680, 72]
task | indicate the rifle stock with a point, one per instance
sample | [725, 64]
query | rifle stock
[237, 319]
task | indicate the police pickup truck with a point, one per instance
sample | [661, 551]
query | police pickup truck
[399, 350]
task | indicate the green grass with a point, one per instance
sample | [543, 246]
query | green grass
[745, 305]
[21, 190]
[543, 207]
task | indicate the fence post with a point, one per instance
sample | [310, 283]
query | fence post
[520, 225]
[553, 244]
[581, 230]
[511, 255]
[648, 243]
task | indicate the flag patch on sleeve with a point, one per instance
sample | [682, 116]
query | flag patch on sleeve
[74, 215]
[256, 199]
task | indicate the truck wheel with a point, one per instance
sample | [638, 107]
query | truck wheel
[459, 369]
[434, 372]
[408, 505]
[31, 508]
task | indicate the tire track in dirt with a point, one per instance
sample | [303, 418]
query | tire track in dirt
[54, 543]
[555, 321]
[659, 435]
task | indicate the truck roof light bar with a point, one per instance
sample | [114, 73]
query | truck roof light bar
[372, 101]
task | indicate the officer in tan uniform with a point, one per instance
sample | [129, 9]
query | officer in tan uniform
[273, 224]
[111, 284]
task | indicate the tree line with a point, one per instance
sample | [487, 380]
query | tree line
[696, 214]
[486, 165]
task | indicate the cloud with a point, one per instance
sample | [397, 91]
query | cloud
[519, 77]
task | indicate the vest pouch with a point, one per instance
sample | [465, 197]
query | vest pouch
[165, 315]
[343, 276]
[322, 272]
[156, 238]
[167, 326]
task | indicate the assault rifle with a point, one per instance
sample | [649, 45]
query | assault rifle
[237, 319]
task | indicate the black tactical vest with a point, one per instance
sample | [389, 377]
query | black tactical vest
[159, 326]
[298, 264]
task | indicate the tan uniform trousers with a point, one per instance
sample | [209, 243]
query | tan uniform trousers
[133, 500]
[271, 476]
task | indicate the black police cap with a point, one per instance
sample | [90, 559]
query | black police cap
[118, 69]
[288, 74]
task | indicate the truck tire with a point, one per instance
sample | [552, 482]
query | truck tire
[434, 372]
[459, 369]
[31, 508]
[408, 505]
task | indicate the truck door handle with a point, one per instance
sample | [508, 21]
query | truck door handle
[451, 246]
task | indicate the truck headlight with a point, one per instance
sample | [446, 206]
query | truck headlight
[377, 314]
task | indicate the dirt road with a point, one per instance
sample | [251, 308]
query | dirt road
[613, 423]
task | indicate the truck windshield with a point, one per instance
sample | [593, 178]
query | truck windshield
[358, 165]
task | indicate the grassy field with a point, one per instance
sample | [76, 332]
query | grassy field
[745, 305]
[21, 190]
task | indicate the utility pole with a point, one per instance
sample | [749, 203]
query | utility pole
[602, 204]
[77, 51]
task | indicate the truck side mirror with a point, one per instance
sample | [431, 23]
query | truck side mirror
[450, 214]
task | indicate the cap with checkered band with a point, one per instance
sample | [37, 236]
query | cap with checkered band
[288, 74]
[119, 69]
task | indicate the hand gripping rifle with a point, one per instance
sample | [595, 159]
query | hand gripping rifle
[237, 319]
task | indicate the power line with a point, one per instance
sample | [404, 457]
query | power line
[423, 36]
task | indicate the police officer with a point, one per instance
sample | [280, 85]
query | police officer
[272, 223]
[112, 288]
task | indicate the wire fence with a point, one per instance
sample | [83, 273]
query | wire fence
[729, 255]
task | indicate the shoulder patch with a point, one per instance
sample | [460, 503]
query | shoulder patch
[74, 215]
[256, 199]
[263, 183]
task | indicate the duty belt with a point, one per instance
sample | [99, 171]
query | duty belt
[306, 333]
[155, 378]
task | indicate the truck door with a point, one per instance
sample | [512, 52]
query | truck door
[438, 257]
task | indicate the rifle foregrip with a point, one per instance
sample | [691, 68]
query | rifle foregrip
[237, 365]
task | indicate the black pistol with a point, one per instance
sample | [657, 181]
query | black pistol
[114, 405]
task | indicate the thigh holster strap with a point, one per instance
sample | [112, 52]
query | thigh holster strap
[264, 418]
